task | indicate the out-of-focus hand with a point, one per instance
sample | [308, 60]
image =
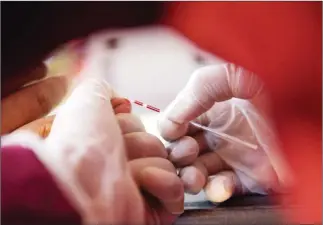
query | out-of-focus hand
[120, 106]
[231, 100]
[30, 96]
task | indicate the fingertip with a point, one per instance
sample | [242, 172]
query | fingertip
[170, 130]
[193, 179]
[121, 105]
[219, 188]
[122, 109]
[184, 151]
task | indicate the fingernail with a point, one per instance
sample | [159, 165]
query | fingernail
[183, 109]
[127, 100]
[219, 189]
[182, 151]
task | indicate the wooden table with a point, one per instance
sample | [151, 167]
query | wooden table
[249, 210]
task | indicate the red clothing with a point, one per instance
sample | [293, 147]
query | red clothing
[28, 193]
[282, 42]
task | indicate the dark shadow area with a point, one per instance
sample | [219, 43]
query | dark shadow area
[252, 209]
[30, 30]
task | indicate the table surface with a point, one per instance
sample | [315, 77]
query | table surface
[251, 210]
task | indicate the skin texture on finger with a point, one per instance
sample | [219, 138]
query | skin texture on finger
[143, 145]
[32, 102]
[222, 186]
[14, 83]
[158, 177]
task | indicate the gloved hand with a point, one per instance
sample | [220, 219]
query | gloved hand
[230, 99]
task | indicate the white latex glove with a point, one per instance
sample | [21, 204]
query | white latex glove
[86, 155]
[222, 97]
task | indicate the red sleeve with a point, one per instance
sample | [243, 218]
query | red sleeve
[282, 42]
[28, 193]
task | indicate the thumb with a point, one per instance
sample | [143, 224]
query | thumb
[207, 85]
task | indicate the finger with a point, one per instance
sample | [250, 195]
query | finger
[41, 126]
[130, 123]
[170, 193]
[151, 174]
[143, 145]
[222, 186]
[195, 176]
[32, 102]
[185, 150]
[121, 105]
[12, 84]
[207, 85]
